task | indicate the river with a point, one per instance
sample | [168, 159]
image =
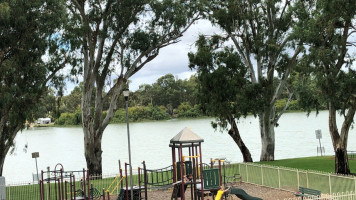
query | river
[295, 137]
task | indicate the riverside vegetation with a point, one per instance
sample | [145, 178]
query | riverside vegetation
[167, 98]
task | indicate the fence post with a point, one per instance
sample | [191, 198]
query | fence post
[262, 174]
[355, 187]
[246, 173]
[330, 183]
[307, 178]
[298, 179]
[279, 179]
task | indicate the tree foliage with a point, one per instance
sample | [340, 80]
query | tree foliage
[329, 30]
[27, 33]
[225, 90]
[118, 38]
[261, 32]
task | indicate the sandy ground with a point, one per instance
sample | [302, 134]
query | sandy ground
[253, 190]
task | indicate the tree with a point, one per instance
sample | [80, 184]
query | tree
[28, 32]
[225, 91]
[115, 40]
[261, 34]
[328, 30]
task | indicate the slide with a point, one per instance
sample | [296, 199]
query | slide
[242, 194]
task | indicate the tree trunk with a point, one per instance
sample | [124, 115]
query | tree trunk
[93, 153]
[235, 134]
[341, 161]
[340, 140]
[267, 135]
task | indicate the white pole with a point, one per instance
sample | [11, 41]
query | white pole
[330, 183]
[262, 173]
[279, 179]
[246, 173]
[307, 180]
[298, 179]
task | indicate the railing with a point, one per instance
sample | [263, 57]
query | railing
[290, 179]
[337, 196]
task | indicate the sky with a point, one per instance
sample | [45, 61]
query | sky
[171, 59]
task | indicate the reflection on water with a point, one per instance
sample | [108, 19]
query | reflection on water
[295, 137]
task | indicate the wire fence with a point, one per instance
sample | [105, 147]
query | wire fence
[269, 176]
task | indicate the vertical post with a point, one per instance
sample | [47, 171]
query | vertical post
[88, 181]
[330, 183]
[321, 151]
[307, 179]
[48, 183]
[279, 179]
[65, 189]
[298, 179]
[62, 183]
[126, 94]
[201, 172]
[83, 187]
[145, 178]
[74, 187]
[262, 174]
[174, 162]
[182, 195]
[194, 186]
[355, 186]
[246, 174]
[220, 180]
[127, 192]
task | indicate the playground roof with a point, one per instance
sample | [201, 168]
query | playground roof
[186, 136]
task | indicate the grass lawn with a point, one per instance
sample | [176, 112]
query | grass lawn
[320, 163]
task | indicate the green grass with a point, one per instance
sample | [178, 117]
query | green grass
[320, 163]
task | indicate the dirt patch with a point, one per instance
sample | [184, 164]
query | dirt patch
[253, 190]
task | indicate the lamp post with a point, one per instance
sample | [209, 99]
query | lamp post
[126, 95]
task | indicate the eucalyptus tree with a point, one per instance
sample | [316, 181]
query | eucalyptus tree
[329, 31]
[30, 57]
[225, 90]
[115, 40]
[261, 32]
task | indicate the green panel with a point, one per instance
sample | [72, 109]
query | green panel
[211, 178]
[254, 174]
[289, 179]
[270, 177]
[319, 182]
[342, 184]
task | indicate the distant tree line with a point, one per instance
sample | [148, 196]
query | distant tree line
[169, 97]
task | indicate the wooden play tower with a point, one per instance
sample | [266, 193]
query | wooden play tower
[188, 141]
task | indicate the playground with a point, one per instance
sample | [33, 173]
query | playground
[187, 178]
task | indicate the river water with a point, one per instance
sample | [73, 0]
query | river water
[295, 137]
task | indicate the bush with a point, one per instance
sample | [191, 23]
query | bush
[69, 119]
[186, 110]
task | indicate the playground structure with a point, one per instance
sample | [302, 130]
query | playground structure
[65, 185]
[187, 169]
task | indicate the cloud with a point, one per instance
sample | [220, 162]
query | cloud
[174, 58]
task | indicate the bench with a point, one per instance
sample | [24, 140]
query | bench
[307, 192]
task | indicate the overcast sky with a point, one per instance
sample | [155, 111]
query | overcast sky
[172, 59]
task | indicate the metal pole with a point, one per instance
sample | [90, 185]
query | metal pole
[129, 147]
[321, 152]
[37, 170]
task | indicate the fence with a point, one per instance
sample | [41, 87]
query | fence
[264, 175]
[290, 179]
[337, 196]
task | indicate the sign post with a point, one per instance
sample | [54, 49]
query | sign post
[319, 136]
[35, 155]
